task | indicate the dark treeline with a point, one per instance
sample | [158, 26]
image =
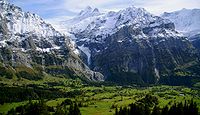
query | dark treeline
[18, 94]
[40, 108]
[183, 77]
[186, 108]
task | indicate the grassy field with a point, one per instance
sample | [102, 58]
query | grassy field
[103, 100]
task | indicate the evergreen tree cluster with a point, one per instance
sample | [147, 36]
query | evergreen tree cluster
[40, 108]
[186, 108]
[33, 92]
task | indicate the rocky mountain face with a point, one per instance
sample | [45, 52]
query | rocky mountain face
[187, 22]
[26, 41]
[195, 39]
[131, 45]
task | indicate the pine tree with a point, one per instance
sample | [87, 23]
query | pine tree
[165, 111]
[146, 110]
[180, 109]
[74, 109]
[156, 111]
[12, 112]
[60, 111]
[193, 109]
[172, 110]
[116, 111]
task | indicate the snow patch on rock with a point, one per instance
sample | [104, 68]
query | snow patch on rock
[87, 51]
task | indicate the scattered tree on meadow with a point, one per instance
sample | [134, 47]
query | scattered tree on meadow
[141, 108]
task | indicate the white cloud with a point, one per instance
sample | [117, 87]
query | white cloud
[160, 6]
[77, 5]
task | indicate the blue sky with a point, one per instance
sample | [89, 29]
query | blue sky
[49, 9]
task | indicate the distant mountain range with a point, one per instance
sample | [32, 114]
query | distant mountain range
[128, 46]
[187, 22]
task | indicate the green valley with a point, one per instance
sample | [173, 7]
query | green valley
[92, 98]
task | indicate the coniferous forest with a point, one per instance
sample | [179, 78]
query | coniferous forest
[40, 108]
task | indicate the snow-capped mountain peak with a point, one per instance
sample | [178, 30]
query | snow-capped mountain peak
[96, 11]
[87, 12]
[84, 16]
[19, 26]
[96, 29]
[105, 24]
[133, 9]
[19, 22]
[3, 1]
[185, 20]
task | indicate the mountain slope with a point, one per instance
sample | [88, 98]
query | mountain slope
[131, 45]
[187, 22]
[26, 41]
